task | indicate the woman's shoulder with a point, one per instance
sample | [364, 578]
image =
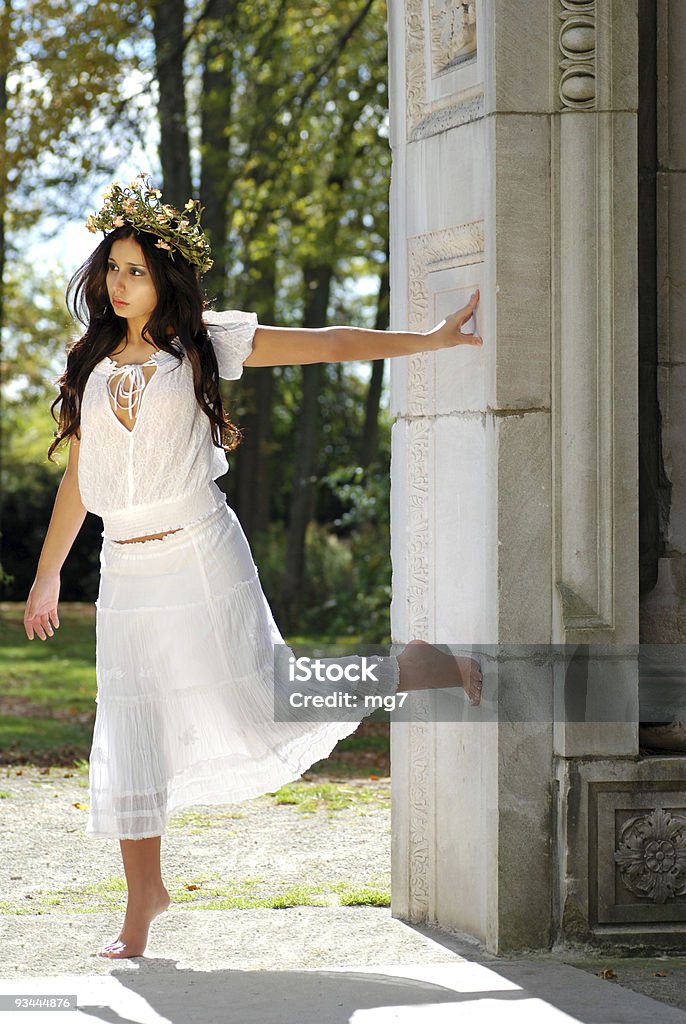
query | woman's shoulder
[231, 332]
[228, 319]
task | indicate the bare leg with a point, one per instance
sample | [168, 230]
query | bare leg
[423, 667]
[148, 896]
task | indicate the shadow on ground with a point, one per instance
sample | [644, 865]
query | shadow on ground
[275, 997]
[157, 990]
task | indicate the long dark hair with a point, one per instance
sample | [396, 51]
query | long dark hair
[180, 305]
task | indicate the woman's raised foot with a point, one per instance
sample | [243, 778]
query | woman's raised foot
[424, 667]
[133, 937]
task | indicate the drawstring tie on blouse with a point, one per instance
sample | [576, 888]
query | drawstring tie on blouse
[129, 389]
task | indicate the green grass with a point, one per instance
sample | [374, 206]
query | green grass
[309, 797]
[60, 670]
[109, 895]
[47, 703]
[197, 821]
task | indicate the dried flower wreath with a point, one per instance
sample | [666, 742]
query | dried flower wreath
[140, 205]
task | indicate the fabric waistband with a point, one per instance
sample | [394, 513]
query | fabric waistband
[142, 520]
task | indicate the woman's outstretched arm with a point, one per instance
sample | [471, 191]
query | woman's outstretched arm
[289, 346]
[67, 519]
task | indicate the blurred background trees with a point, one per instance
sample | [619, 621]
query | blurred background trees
[275, 115]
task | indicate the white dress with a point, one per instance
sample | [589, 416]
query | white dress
[192, 697]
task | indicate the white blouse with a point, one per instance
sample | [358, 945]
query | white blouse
[159, 475]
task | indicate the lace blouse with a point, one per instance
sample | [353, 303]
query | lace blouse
[159, 475]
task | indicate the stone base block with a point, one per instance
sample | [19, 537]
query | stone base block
[622, 852]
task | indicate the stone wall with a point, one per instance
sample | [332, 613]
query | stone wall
[514, 473]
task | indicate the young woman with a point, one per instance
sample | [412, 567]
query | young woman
[186, 642]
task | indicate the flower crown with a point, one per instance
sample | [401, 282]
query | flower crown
[139, 205]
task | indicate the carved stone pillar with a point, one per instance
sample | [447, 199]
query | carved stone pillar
[514, 472]
[471, 506]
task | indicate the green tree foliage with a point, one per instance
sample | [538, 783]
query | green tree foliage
[37, 330]
[76, 94]
[309, 211]
[72, 92]
[286, 115]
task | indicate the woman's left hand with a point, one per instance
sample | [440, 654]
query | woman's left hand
[448, 333]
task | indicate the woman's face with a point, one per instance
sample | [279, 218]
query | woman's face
[129, 283]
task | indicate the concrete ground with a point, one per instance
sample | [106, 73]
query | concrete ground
[275, 967]
[327, 964]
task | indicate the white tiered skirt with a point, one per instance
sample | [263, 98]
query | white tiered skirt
[187, 686]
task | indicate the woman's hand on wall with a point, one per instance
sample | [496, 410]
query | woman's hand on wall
[448, 333]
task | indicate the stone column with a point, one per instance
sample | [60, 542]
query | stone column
[472, 530]
[514, 473]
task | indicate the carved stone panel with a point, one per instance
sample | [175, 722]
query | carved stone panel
[438, 250]
[453, 33]
[434, 253]
[637, 844]
[444, 82]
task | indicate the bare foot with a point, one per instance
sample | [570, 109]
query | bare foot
[424, 667]
[133, 937]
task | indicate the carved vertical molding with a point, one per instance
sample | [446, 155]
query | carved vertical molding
[577, 43]
[584, 204]
[421, 838]
[418, 533]
[427, 253]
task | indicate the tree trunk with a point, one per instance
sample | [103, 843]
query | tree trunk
[215, 149]
[250, 488]
[317, 285]
[168, 31]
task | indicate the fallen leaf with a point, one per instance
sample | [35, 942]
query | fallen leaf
[659, 974]
[607, 973]
[81, 807]
[191, 886]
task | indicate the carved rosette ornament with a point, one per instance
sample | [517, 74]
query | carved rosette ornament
[577, 43]
[651, 854]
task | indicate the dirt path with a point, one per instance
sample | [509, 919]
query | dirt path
[246, 858]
